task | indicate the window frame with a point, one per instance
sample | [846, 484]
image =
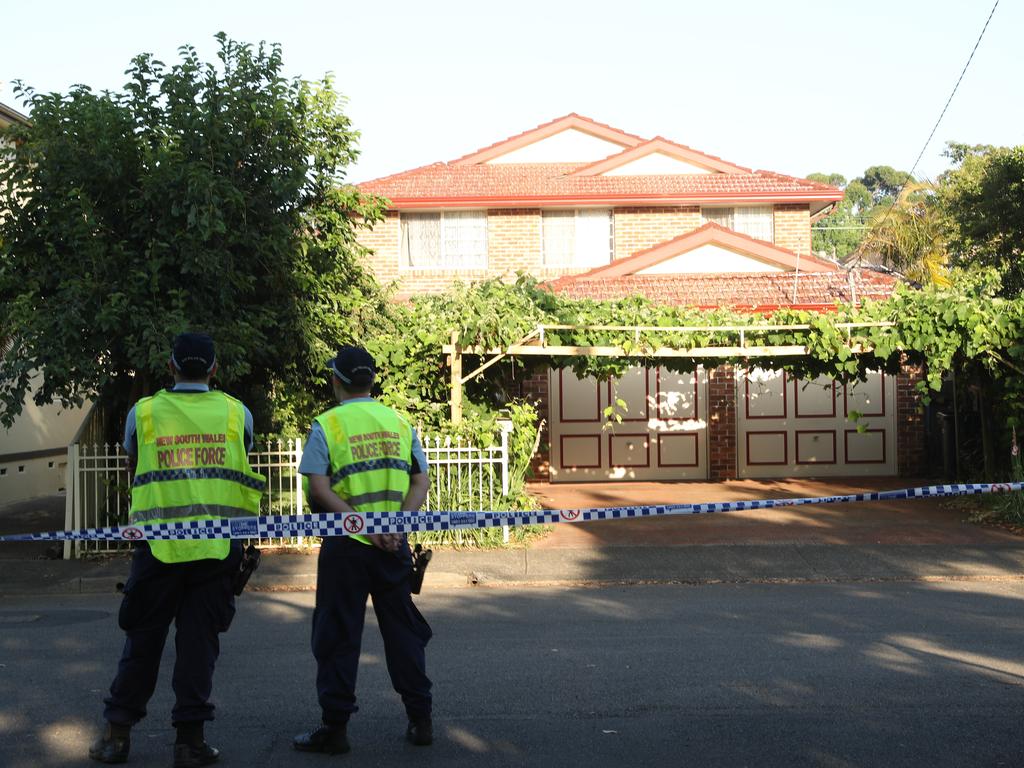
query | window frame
[403, 259]
[769, 209]
[576, 216]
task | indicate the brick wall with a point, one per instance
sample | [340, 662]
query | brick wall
[722, 457]
[637, 229]
[535, 388]
[793, 227]
[383, 242]
[911, 451]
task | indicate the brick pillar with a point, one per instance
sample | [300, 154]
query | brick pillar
[722, 457]
[535, 389]
[911, 452]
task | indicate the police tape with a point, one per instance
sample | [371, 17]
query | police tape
[326, 524]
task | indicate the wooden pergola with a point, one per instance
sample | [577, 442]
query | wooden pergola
[535, 343]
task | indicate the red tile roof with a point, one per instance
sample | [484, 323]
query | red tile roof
[749, 291]
[663, 146]
[715, 234]
[470, 182]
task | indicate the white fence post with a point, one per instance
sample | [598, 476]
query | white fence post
[299, 501]
[505, 426]
[70, 503]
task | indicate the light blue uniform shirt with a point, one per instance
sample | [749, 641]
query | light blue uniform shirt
[316, 459]
[130, 443]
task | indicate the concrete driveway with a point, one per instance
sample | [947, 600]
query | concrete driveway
[904, 522]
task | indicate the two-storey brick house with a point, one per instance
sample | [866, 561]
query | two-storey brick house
[603, 213]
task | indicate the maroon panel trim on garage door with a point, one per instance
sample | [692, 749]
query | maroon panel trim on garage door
[796, 448]
[561, 409]
[785, 400]
[785, 447]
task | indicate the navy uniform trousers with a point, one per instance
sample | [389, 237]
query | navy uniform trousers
[198, 597]
[347, 572]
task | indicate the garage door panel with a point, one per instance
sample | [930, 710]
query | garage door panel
[679, 449]
[814, 399]
[815, 446]
[867, 447]
[677, 395]
[662, 435]
[811, 433]
[765, 394]
[580, 451]
[634, 389]
[629, 450]
[578, 399]
[767, 448]
[866, 397]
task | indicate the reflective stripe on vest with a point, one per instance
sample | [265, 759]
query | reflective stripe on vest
[370, 449]
[192, 464]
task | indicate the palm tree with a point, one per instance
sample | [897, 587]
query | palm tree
[909, 236]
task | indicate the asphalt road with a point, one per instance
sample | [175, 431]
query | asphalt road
[833, 675]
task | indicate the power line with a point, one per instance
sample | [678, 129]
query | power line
[951, 95]
[913, 168]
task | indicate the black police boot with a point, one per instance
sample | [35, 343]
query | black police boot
[113, 745]
[193, 756]
[191, 749]
[420, 732]
[329, 739]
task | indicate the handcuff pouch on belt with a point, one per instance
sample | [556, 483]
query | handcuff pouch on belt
[250, 562]
[420, 561]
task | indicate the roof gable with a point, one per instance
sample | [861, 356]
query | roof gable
[711, 258]
[710, 233]
[580, 136]
[657, 157]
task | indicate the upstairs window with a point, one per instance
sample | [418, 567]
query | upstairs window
[577, 238]
[757, 221]
[447, 240]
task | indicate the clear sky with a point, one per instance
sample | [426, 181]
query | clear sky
[786, 85]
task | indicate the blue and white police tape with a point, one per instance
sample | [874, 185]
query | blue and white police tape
[280, 526]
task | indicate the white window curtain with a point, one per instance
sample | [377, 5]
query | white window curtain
[720, 216]
[421, 239]
[577, 238]
[559, 237]
[593, 238]
[757, 221]
[449, 239]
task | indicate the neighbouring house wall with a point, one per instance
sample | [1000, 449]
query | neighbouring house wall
[33, 452]
[637, 229]
[793, 227]
[722, 450]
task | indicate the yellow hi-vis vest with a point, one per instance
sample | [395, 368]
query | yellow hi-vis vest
[192, 465]
[370, 448]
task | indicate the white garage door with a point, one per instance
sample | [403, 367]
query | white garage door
[662, 436]
[793, 428]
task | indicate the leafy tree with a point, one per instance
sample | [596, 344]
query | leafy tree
[883, 182]
[983, 198]
[909, 235]
[839, 234]
[201, 196]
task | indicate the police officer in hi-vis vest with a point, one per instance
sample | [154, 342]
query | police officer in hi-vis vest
[187, 446]
[362, 456]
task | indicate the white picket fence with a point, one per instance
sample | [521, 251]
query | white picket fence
[462, 477]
